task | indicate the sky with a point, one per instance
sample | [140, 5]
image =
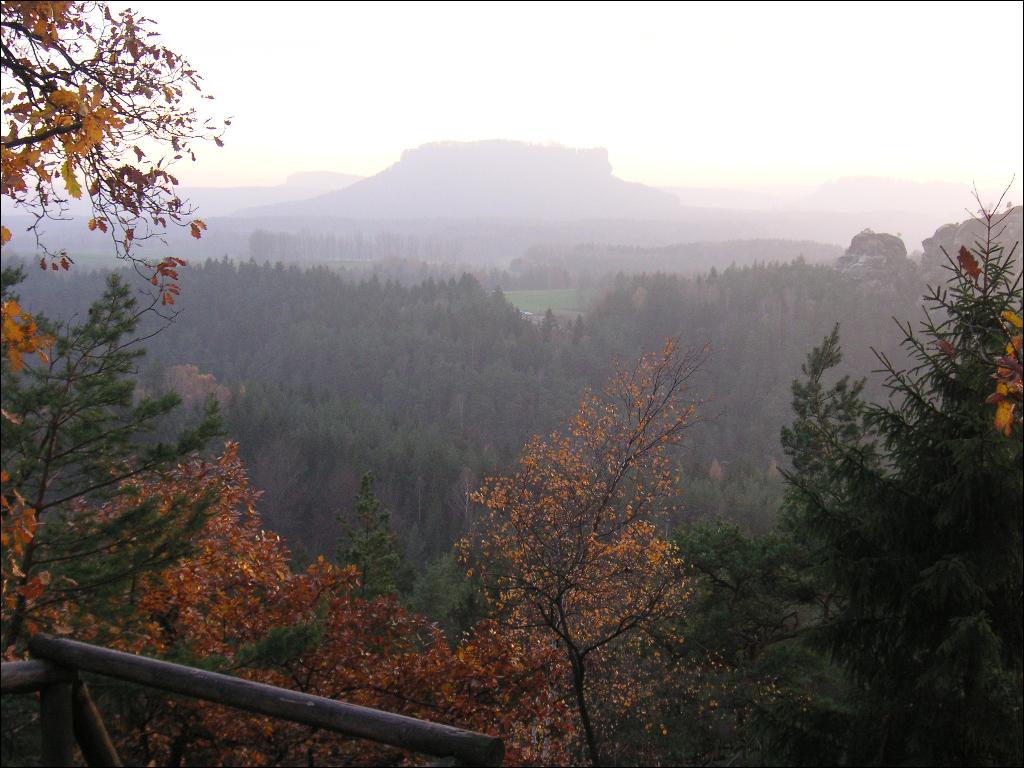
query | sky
[717, 95]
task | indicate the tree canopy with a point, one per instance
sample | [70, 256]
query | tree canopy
[570, 545]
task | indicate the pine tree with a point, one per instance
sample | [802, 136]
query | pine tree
[914, 507]
[370, 545]
[71, 446]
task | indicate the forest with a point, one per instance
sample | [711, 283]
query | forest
[742, 504]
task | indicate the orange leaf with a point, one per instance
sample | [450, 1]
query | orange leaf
[969, 263]
[1004, 417]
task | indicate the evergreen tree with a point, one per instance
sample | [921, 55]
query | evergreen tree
[445, 595]
[370, 544]
[71, 445]
[914, 508]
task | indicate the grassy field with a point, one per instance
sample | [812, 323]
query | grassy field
[558, 300]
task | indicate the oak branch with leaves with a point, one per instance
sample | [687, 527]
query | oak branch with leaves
[94, 105]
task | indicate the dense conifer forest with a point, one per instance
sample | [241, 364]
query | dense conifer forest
[434, 385]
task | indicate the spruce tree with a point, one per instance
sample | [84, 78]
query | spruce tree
[370, 544]
[914, 508]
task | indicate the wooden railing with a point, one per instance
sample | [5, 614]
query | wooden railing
[68, 714]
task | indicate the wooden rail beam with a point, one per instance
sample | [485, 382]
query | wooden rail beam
[31, 676]
[400, 731]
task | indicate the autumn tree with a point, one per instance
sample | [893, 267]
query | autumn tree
[572, 545]
[74, 439]
[914, 509]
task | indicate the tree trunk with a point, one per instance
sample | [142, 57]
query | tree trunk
[578, 674]
[17, 620]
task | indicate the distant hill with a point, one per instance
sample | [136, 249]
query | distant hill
[225, 201]
[830, 211]
[490, 180]
[854, 194]
[491, 201]
[849, 194]
[731, 198]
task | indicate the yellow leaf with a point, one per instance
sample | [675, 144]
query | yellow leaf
[5, 234]
[1004, 417]
[67, 172]
[65, 99]
[1013, 318]
[14, 358]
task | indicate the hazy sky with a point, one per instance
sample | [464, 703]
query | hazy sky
[680, 94]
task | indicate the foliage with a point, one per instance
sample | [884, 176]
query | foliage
[1009, 390]
[74, 526]
[235, 605]
[370, 545]
[570, 546]
[765, 696]
[1009, 385]
[88, 96]
[20, 332]
[915, 512]
[744, 494]
[442, 593]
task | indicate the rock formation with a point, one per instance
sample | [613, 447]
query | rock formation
[873, 254]
[949, 237]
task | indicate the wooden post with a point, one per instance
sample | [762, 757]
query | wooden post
[91, 734]
[58, 738]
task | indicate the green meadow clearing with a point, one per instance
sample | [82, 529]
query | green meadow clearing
[558, 300]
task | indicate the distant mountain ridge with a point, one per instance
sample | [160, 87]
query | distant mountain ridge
[854, 194]
[847, 194]
[490, 180]
[227, 201]
[212, 202]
